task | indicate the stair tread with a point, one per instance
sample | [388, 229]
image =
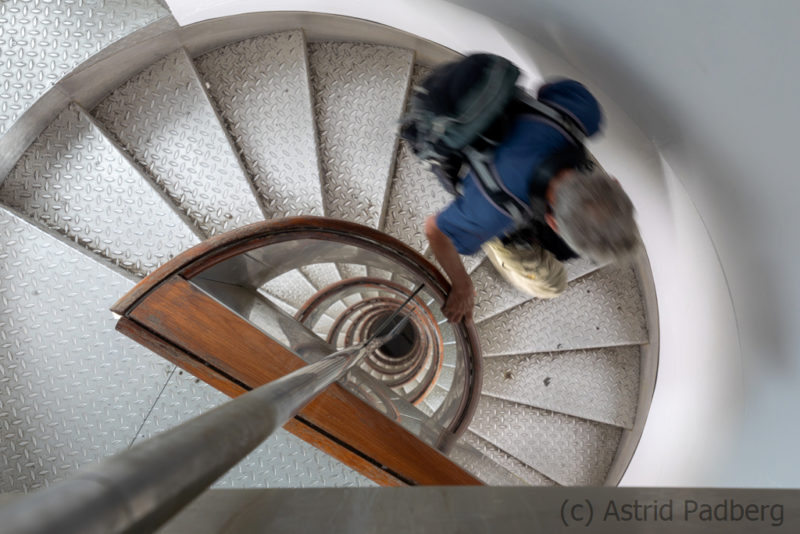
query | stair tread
[261, 89]
[73, 390]
[600, 384]
[291, 287]
[359, 90]
[520, 469]
[599, 310]
[414, 193]
[75, 181]
[280, 461]
[569, 450]
[495, 295]
[164, 120]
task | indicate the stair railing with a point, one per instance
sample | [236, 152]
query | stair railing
[140, 489]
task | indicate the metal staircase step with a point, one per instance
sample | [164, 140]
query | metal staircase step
[44, 41]
[414, 193]
[525, 472]
[261, 89]
[162, 116]
[359, 90]
[600, 384]
[495, 295]
[566, 449]
[281, 461]
[72, 390]
[599, 310]
[291, 287]
[75, 181]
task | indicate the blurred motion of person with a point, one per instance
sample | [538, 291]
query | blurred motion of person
[527, 191]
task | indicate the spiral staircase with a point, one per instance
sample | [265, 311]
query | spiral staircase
[220, 132]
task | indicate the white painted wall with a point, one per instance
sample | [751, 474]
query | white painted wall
[679, 82]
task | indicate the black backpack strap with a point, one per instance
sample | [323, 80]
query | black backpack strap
[561, 119]
[492, 186]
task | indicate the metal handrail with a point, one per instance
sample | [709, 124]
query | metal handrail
[140, 489]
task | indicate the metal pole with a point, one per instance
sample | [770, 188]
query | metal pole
[141, 488]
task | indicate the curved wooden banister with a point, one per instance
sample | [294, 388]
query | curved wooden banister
[172, 317]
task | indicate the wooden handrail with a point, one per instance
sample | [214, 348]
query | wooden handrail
[171, 316]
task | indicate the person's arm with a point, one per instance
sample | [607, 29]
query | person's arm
[461, 300]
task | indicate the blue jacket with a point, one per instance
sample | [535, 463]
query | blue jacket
[472, 219]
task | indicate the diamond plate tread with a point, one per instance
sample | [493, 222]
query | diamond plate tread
[566, 449]
[415, 192]
[521, 470]
[291, 287]
[495, 295]
[281, 461]
[599, 310]
[72, 390]
[261, 88]
[352, 270]
[482, 467]
[471, 263]
[600, 384]
[41, 41]
[73, 180]
[164, 119]
[321, 275]
[359, 91]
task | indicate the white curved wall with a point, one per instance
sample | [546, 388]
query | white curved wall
[706, 97]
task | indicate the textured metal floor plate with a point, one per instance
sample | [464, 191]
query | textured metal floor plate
[72, 390]
[598, 384]
[262, 91]
[568, 450]
[414, 194]
[359, 91]
[163, 117]
[44, 40]
[281, 461]
[482, 467]
[75, 181]
[291, 287]
[321, 275]
[599, 310]
[495, 295]
[521, 470]
[471, 263]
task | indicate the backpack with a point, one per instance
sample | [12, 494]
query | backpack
[462, 110]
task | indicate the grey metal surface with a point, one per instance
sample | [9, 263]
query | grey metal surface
[525, 472]
[261, 88]
[482, 467]
[598, 384]
[281, 461]
[599, 310]
[43, 40]
[321, 275]
[74, 180]
[495, 295]
[291, 287]
[471, 263]
[143, 487]
[415, 192]
[72, 390]
[163, 118]
[568, 450]
[359, 90]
